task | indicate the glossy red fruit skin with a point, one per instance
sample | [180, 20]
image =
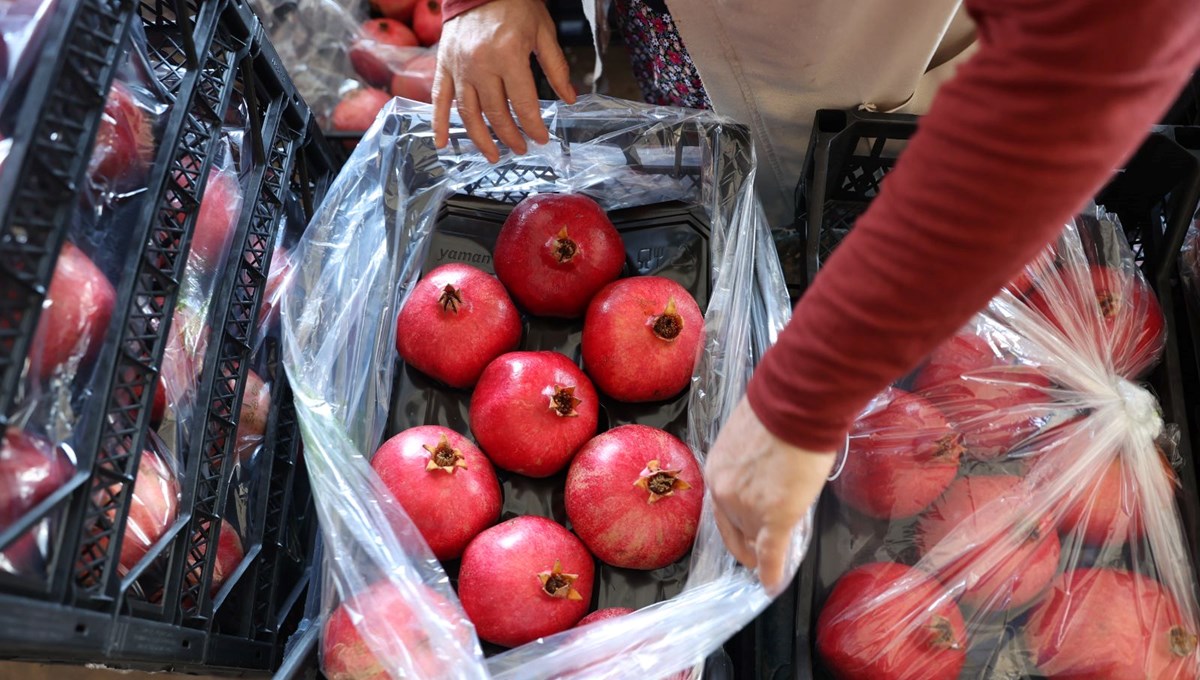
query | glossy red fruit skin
[346, 655]
[452, 339]
[995, 410]
[31, 469]
[547, 274]
[1107, 511]
[516, 420]
[449, 507]
[1132, 330]
[427, 21]
[603, 615]
[964, 353]
[1107, 624]
[370, 53]
[500, 587]
[627, 360]
[229, 558]
[400, 10]
[357, 110]
[903, 454]
[277, 276]
[124, 141]
[916, 633]
[415, 80]
[220, 208]
[75, 314]
[154, 508]
[616, 518]
[252, 417]
[1012, 581]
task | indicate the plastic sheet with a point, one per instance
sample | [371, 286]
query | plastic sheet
[1009, 509]
[23, 25]
[363, 252]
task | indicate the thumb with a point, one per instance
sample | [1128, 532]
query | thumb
[772, 548]
[554, 65]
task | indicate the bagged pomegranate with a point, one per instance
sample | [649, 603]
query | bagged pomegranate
[526, 580]
[1010, 507]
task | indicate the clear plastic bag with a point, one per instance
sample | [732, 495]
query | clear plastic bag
[1009, 509]
[363, 252]
[23, 25]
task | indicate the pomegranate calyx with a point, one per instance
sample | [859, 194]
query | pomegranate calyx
[668, 325]
[451, 299]
[444, 457]
[563, 401]
[949, 447]
[563, 247]
[660, 483]
[942, 634]
[1109, 304]
[1183, 642]
[558, 585]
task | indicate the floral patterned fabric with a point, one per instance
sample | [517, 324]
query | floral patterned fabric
[661, 64]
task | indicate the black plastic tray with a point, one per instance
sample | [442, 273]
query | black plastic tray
[850, 153]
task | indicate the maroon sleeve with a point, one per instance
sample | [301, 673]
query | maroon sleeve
[452, 8]
[1059, 94]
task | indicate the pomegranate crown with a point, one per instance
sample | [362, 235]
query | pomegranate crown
[660, 483]
[444, 457]
[558, 585]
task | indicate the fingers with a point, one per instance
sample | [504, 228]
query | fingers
[523, 95]
[443, 98]
[734, 539]
[554, 64]
[771, 549]
[495, 106]
[477, 130]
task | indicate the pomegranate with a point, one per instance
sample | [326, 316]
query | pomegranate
[252, 418]
[964, 353]
[415, 79]
[641, 338]
[153, 509]
[456, 321]
[1107, 510]
[31, 469]
[427, 21]
[229, 557]
[556, 251]
[183, 359]
[75, 315]
[992, 582]
[1109, 312]
[124, 141]
[524, 579]
[443, 482]
[603, 615]
[995, 410]
[400, 10]
[634, 496]
[277, 276]
[220, 208]
[886, 621]
[1113, 625]
[357, 110]
[531, 411]
[373, 53]
[903, 454]
[393, 623]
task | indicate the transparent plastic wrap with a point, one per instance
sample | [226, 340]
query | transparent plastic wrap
[389, 605]
[348, 57]
[1189, 259]
[23, 26]
[1009, 509]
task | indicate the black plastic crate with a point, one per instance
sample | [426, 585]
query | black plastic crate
[204, 55]
[849, 155]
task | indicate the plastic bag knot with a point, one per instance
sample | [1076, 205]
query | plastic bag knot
[1145, 420]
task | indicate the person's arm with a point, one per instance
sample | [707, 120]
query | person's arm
[1059, 95]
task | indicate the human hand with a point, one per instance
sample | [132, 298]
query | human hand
[761, 488]
[483, 62]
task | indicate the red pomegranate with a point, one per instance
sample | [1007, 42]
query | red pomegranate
[31, 469]
[989, 582]
[357, 110]
[1109, 312]
[603, 615]
[531, 411]
[641, 338]
[124, 141]
[277, 276]
[154, 507]
[1104, 624]
[525, 579]
[75, 315]
[964, 353]
[634, 496]
[220, 208]
[1108, 509]
[556, 251]
[455, 322]
[229, 557]
[414, 80]
[183, 359]
[903, 454]
[995, 410]
[427, 21]
[252, 417]
[400, 10]
[372, 53]
[886, 621]
[393, 622]
[443, 482]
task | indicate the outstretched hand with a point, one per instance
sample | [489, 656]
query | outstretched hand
[483, 63]
[761, 487]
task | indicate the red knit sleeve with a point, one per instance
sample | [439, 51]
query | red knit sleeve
[1059, 94]
[452, 8]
